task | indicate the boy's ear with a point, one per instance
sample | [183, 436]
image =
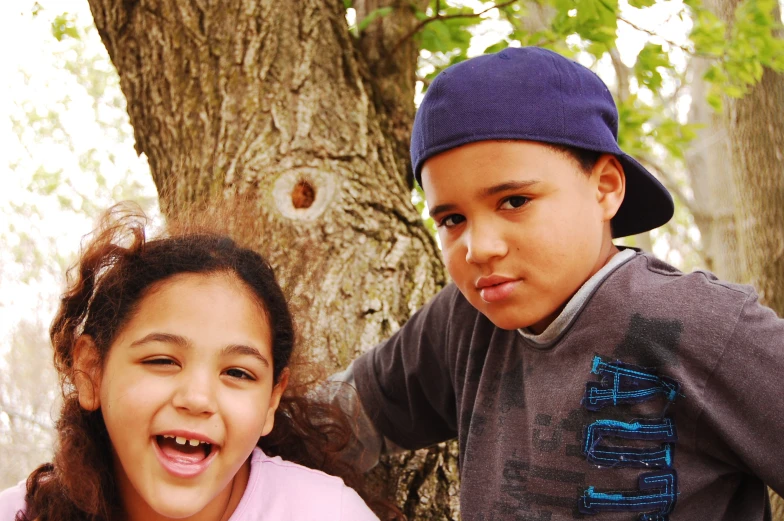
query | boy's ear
[277, 394]
[611, 184]
[87, 373]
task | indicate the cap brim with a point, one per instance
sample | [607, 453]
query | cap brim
[647, 203]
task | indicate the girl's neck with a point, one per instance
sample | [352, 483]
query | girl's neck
[220, 508]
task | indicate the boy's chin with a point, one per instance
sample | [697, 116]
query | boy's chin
[508, 323]
[512, 321]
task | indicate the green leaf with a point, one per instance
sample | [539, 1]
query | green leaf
[64, 26]
[651, 62]
[372, 16]
[592, 20]
[498, 46]
[639, 4]
[715, 100]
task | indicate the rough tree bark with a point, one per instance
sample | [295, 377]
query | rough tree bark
[278, 102]
[755, 126]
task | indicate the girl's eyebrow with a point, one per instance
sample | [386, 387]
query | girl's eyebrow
[167, 338]
[239, 349]
[180, 341]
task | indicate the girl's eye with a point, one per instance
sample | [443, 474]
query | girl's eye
[451, 220]
[159, 361]
[515, 201]
[239, 374]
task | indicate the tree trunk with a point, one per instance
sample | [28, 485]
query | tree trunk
[710, 176]
[273, 100]
[755, 125]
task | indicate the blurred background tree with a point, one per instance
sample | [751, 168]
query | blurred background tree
[305, 108]
[66, 153]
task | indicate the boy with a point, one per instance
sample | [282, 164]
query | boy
[579, 379]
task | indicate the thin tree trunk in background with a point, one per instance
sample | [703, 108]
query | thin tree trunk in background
[755, 125]
[274, 101]
[622, 73]
[710, 176]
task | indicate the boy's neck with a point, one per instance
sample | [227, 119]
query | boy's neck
[608, 251]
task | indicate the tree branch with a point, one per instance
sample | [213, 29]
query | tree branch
[438, 17]
[682, 47]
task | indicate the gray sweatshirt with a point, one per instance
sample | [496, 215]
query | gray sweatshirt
[656, 396]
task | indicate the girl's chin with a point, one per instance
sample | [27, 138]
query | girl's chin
[170, 503]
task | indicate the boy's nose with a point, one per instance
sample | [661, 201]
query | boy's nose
[483, 244]
[195, 394]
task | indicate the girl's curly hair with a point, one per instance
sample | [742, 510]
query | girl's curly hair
[115, 269]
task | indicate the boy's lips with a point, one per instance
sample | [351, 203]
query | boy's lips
[496, 287]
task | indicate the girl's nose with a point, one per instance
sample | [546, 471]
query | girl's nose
[195, 394]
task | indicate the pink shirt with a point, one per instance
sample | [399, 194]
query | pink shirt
[277, 490]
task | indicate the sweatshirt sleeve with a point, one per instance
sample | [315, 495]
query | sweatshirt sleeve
[743, 416]
[352, 508]
[405, 383]
[12, 500]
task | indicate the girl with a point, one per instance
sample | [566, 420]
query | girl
[174, 358]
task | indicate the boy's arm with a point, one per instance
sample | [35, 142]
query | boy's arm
[405, 390]
[742, 420]
[370, 444]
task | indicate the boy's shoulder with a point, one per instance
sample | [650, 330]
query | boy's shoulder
[12, 500]
[703, 306]
[651, 275]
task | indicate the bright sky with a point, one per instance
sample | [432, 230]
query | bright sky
[33, 81]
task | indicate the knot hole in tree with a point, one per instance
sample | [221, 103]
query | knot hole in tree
[303, 193]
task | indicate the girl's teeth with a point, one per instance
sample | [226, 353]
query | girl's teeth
[184, 441]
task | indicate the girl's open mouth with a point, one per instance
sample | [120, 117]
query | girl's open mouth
[183, 457]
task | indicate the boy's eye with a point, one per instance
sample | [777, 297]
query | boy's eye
[239, 374]
[515, 201]
[451, 220]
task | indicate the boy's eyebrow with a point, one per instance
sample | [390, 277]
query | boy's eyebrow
[441, 208]
[488, 191]
[180, 341]
[507, 187]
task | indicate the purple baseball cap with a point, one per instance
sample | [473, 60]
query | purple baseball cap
[534, 94]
